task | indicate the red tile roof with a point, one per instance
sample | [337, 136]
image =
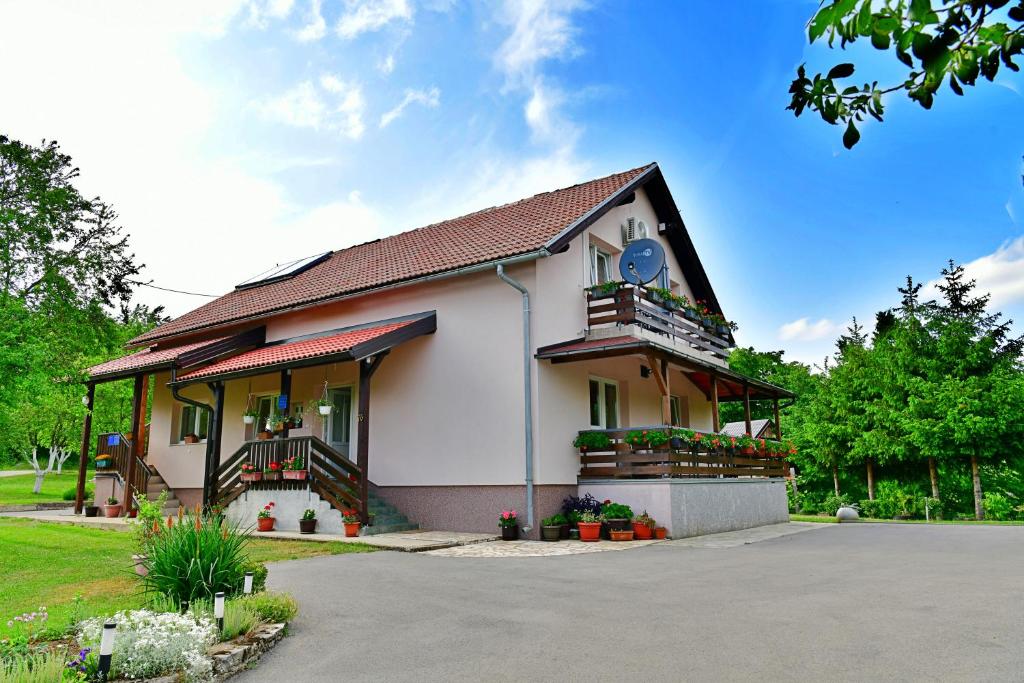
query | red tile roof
[293, 351]
[145, 359]
[487, 235]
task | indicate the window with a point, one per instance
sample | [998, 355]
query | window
[192, 421]
[680, 410]
[604, 404]
[600, 266]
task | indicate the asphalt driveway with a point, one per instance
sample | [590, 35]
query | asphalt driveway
[847, 602]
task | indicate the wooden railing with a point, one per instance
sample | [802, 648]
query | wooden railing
[620, 460]
[119, 447]
[633, 305]
[332, 476]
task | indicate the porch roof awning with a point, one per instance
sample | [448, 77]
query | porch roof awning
[730, 383]
[146, 360]
[344, 344]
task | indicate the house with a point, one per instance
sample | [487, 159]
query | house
[759, 429]
[459, 362]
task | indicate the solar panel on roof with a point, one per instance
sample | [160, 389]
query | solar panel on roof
[283, 271]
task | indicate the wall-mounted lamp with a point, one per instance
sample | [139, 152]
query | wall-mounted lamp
[645, 371]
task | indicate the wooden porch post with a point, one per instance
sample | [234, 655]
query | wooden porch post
[138, 420]
[666, 399]
[778, 424]
[661, 377]
[83, 456]
[213, 439]
[716, 421]
[286, 391]
[746, 408]
[367, 367]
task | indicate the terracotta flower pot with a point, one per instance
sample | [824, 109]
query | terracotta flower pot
[510, 533]
[618, 535]
[133, 513]
[748, 450]
[252, 476]
[264, 435]
[299, 475]
[642, 532]
[352, 529]
[191, 439]
[307, 526]
[589, 531]
[660, 532]
[271, 476]
[265, 523]
[112, 510]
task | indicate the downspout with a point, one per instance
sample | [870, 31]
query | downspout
[209, 442]
[527, 393]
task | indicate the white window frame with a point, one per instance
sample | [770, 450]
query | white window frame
[198, 413]
[596, 254]
[676, 410]
[602, 408]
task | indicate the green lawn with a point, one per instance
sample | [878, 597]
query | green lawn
[967, 522]
[47, 565]
[17, 490]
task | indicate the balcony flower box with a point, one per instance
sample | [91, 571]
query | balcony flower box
[250, 473]
[296, 475]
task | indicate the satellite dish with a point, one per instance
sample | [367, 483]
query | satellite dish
[642, 261]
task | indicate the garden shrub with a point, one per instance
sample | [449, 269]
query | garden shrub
[43, 667]
[894, 500]
[833, 502]
[196, 557]
[793, 498]
[273, 608]
[870, 508]
[239, 617]
[70, 493]
[151, 644]
[997, 506]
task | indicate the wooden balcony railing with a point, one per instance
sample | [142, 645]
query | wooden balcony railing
[332, 476]
[119, 447]
[620, 460]
[633, 305]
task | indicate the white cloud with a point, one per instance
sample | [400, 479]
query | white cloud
[541, 31]
[334, 105]
[1000, 274]
[806, 330]
[361, 16]
[428, 98]
[261, 12]
[386, 65]
[316, 27]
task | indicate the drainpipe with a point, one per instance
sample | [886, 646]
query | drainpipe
[527, 393]
[209, 441]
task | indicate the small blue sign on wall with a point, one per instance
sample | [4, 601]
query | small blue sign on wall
[113, 439]
[282, 402]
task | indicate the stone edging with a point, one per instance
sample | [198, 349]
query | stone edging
[231, 658]
[33, 507]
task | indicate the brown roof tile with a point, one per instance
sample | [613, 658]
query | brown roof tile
[487, 235]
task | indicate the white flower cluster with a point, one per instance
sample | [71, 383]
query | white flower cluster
[155, 643]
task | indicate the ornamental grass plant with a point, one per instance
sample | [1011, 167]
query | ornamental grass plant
[196, 557]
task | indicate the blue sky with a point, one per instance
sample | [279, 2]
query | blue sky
[232, 135]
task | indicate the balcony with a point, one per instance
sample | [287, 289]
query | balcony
[647, 310]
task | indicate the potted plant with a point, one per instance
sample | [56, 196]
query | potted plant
[589, 526]
[352, 523]
[658, 295]
[307, 524]
[616, 516]
[680, 438]
[746, 445]
[660, 533]
[295, 468]
[265, 518]
[643, 527]
[191, 438]
[606, 288]
[621, 534]
[592, 441]
[250, 473]
[509, 524]
[92, 510]
[651, 439]
[112, 508]
[272, 472]
[551, 528]
[104, 461]
[249, 416]
[324, 406]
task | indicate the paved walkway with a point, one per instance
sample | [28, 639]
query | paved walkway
[846, 602]
[731, 539]
[14, 473]
[408, 541]
[536, 548]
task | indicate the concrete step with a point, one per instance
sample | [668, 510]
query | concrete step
[382, 509]
[388, 528]
[393, 518]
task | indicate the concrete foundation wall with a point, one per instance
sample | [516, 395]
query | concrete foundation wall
[473, 508]
[692, 507]
[288, 509]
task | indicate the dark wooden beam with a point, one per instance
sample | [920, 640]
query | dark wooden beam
[367, 367]
[716, 420]
[666, 399]
[215, 432]
[138, 426]
[746, 408]
[286, 391]
[778, 425]
[83, 455]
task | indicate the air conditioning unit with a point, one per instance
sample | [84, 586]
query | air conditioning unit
[633, 230]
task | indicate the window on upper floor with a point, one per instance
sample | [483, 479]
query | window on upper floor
[600, 266]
